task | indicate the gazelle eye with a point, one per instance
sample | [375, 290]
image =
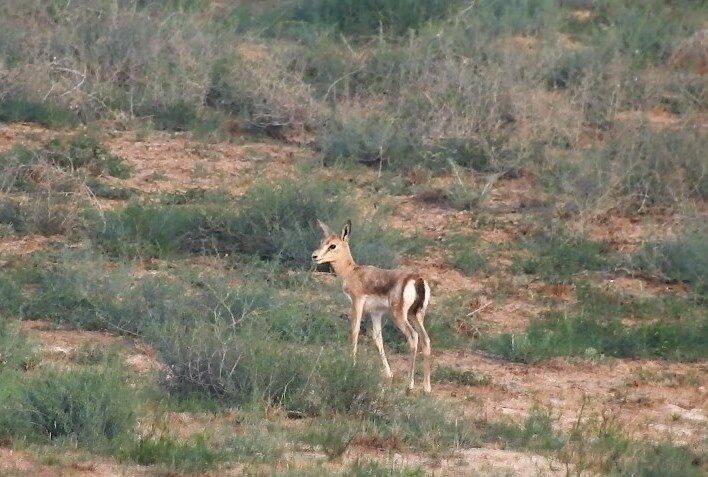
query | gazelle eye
[332, 247]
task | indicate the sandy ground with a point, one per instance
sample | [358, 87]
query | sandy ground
[649, 399]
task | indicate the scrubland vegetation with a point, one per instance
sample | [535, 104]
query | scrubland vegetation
[516, 131]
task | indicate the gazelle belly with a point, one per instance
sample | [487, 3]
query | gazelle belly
[376, 304]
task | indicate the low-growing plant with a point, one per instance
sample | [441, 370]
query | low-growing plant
[250, 369]
[331, 436]
[85, 151]
[370, 141]
[195, 454]
[663, 459]
[558, 257]
[364, 468]
[464, 377]
[536, 432]
[684, 259]
[95, 408]
[421, 424]
[272, 223]
[580, 333]
[462, 252]
[15, 350]
[17, 109]
[105, 191]
[369, 17]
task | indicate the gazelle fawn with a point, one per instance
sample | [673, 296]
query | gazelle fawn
[376, 291]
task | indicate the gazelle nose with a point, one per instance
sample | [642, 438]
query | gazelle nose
[314, 256]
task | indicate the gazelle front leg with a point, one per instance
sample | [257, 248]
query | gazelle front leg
[355, 322]
[378, 341]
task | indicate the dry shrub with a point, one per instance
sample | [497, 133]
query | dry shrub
[692, 53]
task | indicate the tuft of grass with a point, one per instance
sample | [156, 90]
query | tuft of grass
[95, 408]
[103, 190]
[333, 437]
[536, 433]
[463, 377]
[196, 454]
[15, 350]
[364, 468]
[253, 369]
[663, 459]
[371, 141]
[420, 423]
[85, 151]
[684, 259]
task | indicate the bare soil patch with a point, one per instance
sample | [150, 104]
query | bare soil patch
[649, 399]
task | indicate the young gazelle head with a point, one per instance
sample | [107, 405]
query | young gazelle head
[333, 248]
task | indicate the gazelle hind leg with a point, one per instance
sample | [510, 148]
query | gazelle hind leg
[425, 347]
[401, 321]
[378, 341]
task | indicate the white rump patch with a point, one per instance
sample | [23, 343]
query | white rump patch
[409, 295]
[426, 299]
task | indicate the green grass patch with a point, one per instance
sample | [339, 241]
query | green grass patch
[17, 109]
[462, 251]
[94, 408]
[16, 351]
[535, 433]
[594, 327]
[364, 18]
[272, 222]
[556, 257]
[663, 459]
[684, 259]
[463, 377]
[195, 454]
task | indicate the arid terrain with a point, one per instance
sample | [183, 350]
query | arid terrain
[159, 312]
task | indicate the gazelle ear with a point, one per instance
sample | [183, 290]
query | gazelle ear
[325, 230]
[347, 230]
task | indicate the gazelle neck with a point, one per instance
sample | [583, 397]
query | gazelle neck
[344, 266]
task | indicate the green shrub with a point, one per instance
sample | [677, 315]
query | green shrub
[637, 166]
[95, 408]
[248, 369]
[11, 214]
[662, 459]
[18, 109]
[15, 350]
[103, 190]
[11, 298]
[142, 230]
[421, 423]
[684, 259]
[372, 141]
[331, 436]
[85, 151]
[179, 116]
[276, 222]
